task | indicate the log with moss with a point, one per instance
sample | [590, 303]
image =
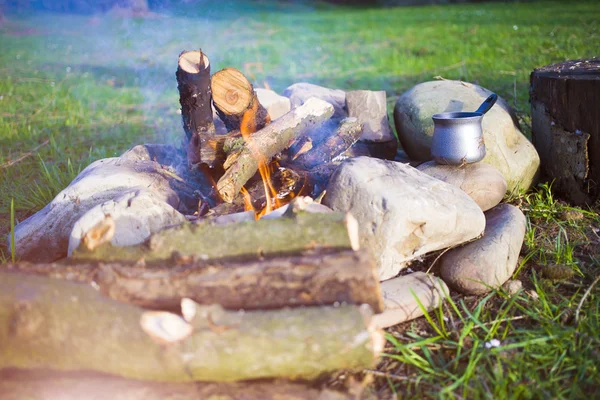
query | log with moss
[269, 141]
[242, 241]
[59, 325]
[52, 385]
[314, 279]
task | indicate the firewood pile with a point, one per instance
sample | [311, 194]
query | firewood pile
[263, 292]
[293, 155]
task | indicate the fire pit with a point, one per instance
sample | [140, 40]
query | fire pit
[286, 207]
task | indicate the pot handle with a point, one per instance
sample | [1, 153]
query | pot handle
[487, 104]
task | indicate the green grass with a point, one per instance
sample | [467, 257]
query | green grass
[92, 87]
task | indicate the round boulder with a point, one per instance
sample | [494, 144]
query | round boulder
[482, 182]
[487, 263]
[507, 148]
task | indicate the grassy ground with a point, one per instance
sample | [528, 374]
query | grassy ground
[84, 87]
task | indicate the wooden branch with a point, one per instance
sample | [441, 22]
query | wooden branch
[59, 325]
[343, 138]
[269, 141]
[52, 385]
[193, 82]
[317, 278]
[243, 241]
[236, 102]
[23, 156]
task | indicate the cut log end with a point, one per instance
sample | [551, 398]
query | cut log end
[193, 62]
[232, 93]
[165, 327]
[353, 235]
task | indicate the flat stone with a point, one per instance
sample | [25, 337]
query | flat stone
[136, 214]
[507, 148]
[44, 237]
[400, 297]
[275, 104]
[485, 264]
[402, 212]
[299, 93]
[482, 182]
[370, 108]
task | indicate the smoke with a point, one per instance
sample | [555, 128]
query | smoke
[137, 53]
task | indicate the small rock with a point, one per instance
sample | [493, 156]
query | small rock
[507, 148]
[370, 108]
[482, 182]
[400, 298]
[512, 287]
[533, 295]
[485, 264]
[302, 203]
[402, 212]
[275, 104]
[298, 93]
[136, 216]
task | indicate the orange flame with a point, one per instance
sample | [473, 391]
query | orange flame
[247, 128]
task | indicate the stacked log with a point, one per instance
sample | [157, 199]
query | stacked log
[242, 310]
[307, 300]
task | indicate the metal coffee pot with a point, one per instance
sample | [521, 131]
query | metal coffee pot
[458, 136]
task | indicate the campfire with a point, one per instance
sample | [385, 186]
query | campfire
[255, 163]
[265, 234]
[180, 239]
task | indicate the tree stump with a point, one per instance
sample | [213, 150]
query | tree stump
[565, 99]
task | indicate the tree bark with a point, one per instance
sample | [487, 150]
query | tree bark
[64, 326]
[50, 385]
[344, 137]
[565, 99]
[243, 241]
[236, 102]
[272, 139]
[317, 278]
[193, 82]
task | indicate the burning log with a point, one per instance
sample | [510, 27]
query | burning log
[317, 278]
[60, 325]
[52, 385]
[269, 141]
[236, 102]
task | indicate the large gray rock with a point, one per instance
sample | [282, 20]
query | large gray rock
[402, 295]
[485, 264]
[507, 148]
[275, 104]
[370, 108]
[298, 93]
[44, 236]
[136, 215]
[482, 182]
[402, 212]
